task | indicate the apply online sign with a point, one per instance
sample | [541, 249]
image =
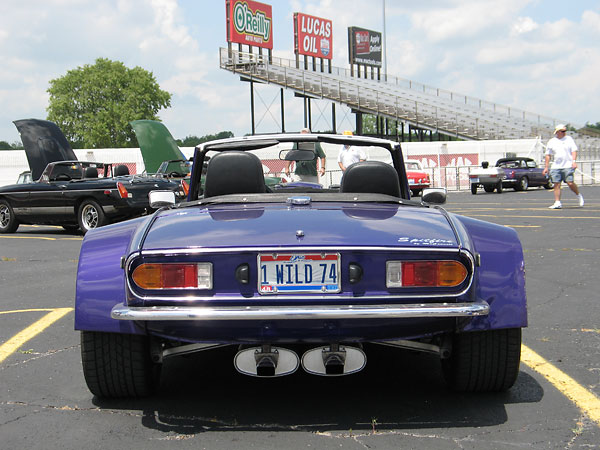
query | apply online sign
[313, 36]
[250, 23]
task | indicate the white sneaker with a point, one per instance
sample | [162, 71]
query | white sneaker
[581, 202]
[556, 205]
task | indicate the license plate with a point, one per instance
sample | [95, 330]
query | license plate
[291, 273]
[411, 181]
[474, 180]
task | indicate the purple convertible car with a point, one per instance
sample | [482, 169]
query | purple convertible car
[299, 277]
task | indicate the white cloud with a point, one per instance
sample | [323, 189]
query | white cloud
[523, 25]
[504, 52]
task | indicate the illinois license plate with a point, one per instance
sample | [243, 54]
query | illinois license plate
[291, 273]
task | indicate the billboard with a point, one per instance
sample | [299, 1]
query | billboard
[313, 36]
[250, 23]
[364, 46]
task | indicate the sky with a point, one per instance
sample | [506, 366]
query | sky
[535, 55]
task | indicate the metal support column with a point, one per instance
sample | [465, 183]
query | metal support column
[333, 119]
[252, 106]
[282, 113]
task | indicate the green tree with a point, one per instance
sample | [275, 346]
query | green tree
[14, 146]
[94, 104]
[591, 125]
[192, 141]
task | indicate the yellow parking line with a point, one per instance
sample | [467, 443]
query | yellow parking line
[584, 399]
[534, 217]
[14, 311]
[523, 226]
[10, 346]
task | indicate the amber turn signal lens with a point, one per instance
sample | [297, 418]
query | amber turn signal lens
[425, 273]
[122, 190]
[185, 187]
[166, 276]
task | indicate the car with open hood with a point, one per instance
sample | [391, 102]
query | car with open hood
[74, 194]
[299, 277]
[163, 157]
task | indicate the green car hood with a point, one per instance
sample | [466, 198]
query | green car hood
[156, 143]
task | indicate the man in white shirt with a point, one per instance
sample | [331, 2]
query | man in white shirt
[564, 150]
[350, 155]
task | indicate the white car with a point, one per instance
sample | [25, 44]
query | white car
[489, 177]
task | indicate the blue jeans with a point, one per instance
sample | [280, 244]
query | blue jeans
[558, 175]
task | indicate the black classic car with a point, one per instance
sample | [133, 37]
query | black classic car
[68, 192]
[522, 172]
[517, 172]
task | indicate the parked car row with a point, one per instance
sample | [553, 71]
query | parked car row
[60, 190]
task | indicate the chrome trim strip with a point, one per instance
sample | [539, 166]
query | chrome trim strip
[280, 249]
[309, 312]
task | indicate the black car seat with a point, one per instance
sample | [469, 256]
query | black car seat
[234, 172]
[374, 177]
[91, 172]
[121, 170]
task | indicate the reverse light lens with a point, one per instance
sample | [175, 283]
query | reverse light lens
[173, 276]
[424, 274]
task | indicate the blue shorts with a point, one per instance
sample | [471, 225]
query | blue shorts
[558, 175]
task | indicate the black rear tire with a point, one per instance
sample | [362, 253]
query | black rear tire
[474, 189]
[484, 361]
[522, 184]
[8, 220]
[90, 215]
[118, 365]
[499, 187]
[489, 188]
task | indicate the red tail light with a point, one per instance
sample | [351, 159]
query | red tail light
[425, 273]
[185, 187]
[433, 273]
[166, 276]
[173, 276]
[122, 190]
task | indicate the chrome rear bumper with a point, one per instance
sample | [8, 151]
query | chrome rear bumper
[310, 312]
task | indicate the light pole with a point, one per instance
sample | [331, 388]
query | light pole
[384, 46]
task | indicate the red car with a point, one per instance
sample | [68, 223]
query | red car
[417, 178]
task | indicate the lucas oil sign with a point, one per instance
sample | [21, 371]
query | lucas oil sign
[250, 23]
[313, 36]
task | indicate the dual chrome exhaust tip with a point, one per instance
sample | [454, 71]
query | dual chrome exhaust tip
[268, 361]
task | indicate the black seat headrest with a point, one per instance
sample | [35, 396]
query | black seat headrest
[234, 172]
[91, 172]
[121, 170]
[374, 177]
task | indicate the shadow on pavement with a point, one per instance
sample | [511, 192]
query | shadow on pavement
[398, 389]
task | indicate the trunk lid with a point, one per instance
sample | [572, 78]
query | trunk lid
[320, 224]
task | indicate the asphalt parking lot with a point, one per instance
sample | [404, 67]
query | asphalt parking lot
[398, 402]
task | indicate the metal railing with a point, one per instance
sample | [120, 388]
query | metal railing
[405, 100]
